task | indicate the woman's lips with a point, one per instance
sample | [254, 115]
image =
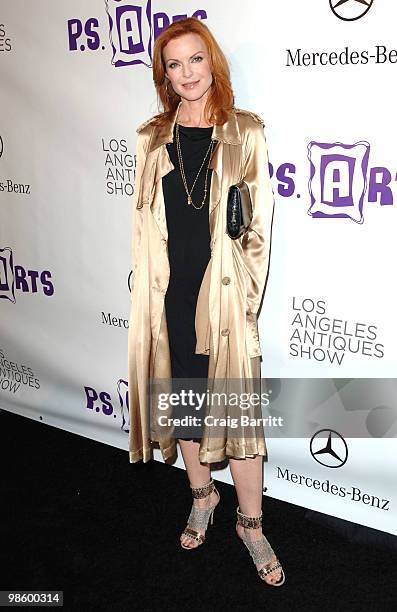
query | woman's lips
[190, 85]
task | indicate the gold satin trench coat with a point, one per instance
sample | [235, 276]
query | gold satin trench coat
[231, 289]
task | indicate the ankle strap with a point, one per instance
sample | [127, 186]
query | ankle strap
[249, 522]
[204, 491]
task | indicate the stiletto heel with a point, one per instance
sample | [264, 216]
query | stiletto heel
[260, 550]
[199, 517]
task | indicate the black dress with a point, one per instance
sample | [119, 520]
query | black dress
[188, 248]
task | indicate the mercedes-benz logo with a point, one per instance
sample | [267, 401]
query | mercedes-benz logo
[350, 10]
[130, 280]
[331, 453]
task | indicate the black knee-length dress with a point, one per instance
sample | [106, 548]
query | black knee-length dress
[188, 248]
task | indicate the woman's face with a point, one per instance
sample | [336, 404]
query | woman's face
[187, 66]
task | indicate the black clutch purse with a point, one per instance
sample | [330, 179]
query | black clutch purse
[239, 210]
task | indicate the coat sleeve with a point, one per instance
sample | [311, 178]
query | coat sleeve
[256, 241]
[141, 146]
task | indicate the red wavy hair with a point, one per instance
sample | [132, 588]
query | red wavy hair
[220, 99]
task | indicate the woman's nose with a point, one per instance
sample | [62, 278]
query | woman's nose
[186, 70]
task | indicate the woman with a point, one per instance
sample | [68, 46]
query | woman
[197, 292]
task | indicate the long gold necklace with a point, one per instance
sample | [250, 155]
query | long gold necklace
[189, 195]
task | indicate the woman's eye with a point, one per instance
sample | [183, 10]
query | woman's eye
[198, 57]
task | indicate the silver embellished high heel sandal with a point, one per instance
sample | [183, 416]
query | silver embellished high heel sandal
[260, 550]
[198, 517]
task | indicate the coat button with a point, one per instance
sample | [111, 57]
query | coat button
[226, 280]
[225, 332]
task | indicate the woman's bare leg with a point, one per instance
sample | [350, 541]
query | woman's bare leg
[199, 474]
[248, 479]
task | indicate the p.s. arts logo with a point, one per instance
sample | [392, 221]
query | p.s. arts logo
[341, 180]
[341, 183]
[132, 30]
[108, 405]
[338, 179]
[18, 278]
[350, 10]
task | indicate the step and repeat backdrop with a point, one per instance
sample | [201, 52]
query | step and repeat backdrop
[76, 82]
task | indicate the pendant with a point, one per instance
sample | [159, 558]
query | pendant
[189, 199]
